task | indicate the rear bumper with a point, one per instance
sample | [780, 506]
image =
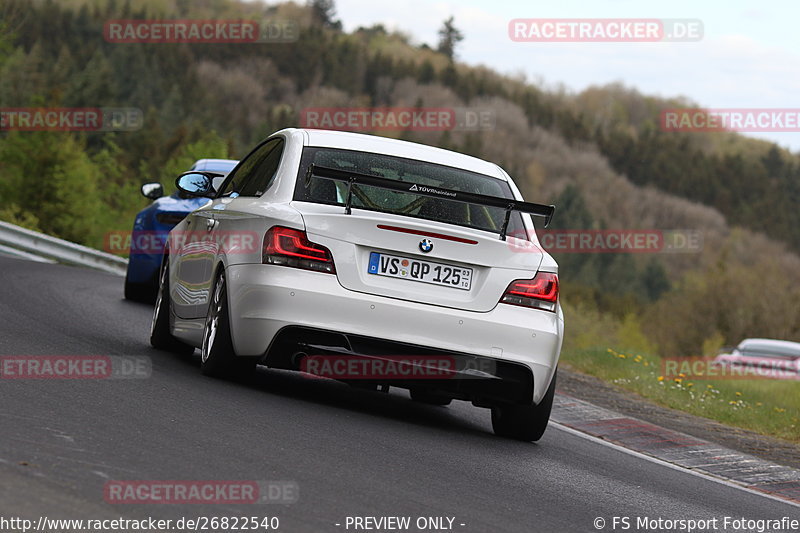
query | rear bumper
[266, 299]
[377, 362]
[144, 268]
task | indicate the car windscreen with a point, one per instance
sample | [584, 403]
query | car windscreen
[326, 191]
[219, 167]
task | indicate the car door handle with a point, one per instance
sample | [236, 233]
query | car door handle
[210, 223]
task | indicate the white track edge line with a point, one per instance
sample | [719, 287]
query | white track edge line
[673, 466]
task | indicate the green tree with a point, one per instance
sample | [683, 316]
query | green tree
[50, 176]
[654, 280]
[210, 145]
[427, 74]
[449, 37]
[324, 12]
[571, 210]
[11, 13]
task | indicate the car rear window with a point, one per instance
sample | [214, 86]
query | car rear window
[326, 191]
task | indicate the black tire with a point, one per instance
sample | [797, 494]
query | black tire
[218, 358]
[524, 422]
[140, 292]
[423, 396]
[160, 336]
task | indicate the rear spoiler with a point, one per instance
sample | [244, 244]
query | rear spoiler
[351, 178]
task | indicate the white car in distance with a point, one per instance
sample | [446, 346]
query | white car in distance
[386, 262]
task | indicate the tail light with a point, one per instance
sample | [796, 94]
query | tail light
[291, 247]
[541, 292]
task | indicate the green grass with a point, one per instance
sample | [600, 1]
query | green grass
[769, 407]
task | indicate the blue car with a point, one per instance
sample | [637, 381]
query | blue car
[152, 225]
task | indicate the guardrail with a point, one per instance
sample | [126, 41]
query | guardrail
[41, 245]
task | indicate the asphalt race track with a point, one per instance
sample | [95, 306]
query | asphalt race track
[350, 452]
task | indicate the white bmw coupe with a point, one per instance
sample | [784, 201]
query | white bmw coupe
[374, 261]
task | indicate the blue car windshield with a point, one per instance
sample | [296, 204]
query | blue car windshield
[219, 167]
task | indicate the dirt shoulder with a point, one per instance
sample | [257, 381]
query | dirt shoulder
[598, 392]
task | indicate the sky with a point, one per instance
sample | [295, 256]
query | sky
[749, 56]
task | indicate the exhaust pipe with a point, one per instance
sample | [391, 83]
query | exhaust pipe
[296, 359]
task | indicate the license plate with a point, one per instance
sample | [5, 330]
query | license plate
[417, 270]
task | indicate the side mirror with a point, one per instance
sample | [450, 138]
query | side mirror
[195, 183]
[152, 191]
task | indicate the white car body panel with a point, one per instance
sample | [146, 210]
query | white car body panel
[317, 300]
[351, 238]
